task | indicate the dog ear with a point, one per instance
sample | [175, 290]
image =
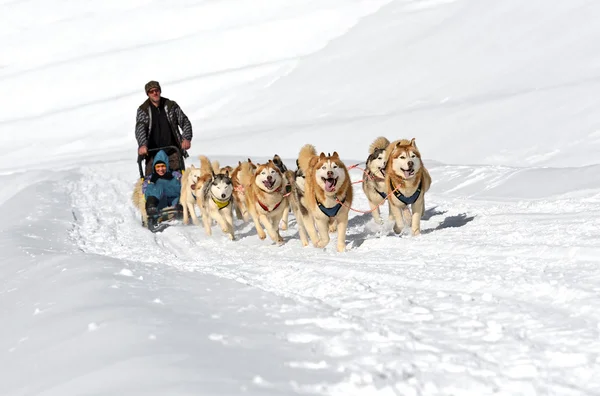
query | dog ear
[412, 143]
[335, 155]
[322, 156]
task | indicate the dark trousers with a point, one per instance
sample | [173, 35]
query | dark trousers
[173, 163]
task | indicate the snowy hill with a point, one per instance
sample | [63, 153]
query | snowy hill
[500, 295]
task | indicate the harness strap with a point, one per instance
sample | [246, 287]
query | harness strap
[406, 200]
[333, 211]
[221, 204]
[266, 208]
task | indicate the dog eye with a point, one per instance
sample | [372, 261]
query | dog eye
[413, 156]
[402, 157]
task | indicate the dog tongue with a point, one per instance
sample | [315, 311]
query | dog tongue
[406, 173]
[329, 185]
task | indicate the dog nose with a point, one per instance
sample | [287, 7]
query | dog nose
[269, 178]
[223, 195]
[329, 174]
[411, 163]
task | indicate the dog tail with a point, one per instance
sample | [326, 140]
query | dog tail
[137, 196]
[279, 163]
[307, 152]
[381, 143]
[245, 173]
[216, 166]
[205, 166]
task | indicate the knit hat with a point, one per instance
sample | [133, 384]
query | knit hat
[159, 162]
[151, 85]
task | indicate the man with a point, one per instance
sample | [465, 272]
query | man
[157, 125]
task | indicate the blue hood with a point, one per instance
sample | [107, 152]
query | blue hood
[163, 157]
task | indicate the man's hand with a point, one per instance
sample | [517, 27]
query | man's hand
[143, 150]
[186, 144]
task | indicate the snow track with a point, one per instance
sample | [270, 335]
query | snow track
[493, 298]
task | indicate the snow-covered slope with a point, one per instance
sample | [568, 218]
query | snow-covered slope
[498, 296]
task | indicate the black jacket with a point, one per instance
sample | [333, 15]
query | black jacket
[176, 117]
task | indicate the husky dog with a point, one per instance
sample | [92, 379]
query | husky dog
[407, 180]
[297, 200]
[218, 169]
[279, 163]
[328, 195]
[374, 178]
[241, 177]
[214, 197]
[188, 194]
[266, 200]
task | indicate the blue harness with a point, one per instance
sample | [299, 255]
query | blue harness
[330, 212]
[405, 200]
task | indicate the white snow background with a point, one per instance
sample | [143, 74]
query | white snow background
[500, 295]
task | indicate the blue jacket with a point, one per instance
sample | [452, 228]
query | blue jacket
[165, 188]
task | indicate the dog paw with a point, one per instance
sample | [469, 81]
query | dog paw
[284, 226]
[397, 230]
[231, 237]
[341, 248]
[262, 235]
[379, 221]
[322, 244]
[333, 228]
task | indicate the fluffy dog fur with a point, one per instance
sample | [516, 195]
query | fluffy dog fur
[286, 213]
[405, 176]
[265, 199]
[327, 186]
[214, 197]
[374, 179]
[297, 200]
[139, 201]
[240, 177]
[191, 176]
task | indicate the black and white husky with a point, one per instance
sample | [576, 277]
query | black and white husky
[214, 197]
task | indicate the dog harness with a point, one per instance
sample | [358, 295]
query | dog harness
[221, 204]
[266, 208]
[288, 191]
[405, 200]
[333, 211]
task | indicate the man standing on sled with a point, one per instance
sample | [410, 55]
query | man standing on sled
[157, 125]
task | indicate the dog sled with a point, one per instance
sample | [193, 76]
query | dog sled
[169, 215]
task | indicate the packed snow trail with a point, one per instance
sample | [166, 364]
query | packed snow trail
[493, 298]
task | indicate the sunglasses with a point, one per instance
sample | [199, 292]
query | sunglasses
[153, 91]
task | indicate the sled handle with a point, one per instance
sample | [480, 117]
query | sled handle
[140, 158]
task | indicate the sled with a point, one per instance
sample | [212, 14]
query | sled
[170, 215]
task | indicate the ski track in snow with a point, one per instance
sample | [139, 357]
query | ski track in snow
[494, 297]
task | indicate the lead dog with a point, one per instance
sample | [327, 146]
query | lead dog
[407, 180]
[328, 196]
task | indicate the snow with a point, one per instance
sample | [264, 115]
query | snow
[499, 295]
